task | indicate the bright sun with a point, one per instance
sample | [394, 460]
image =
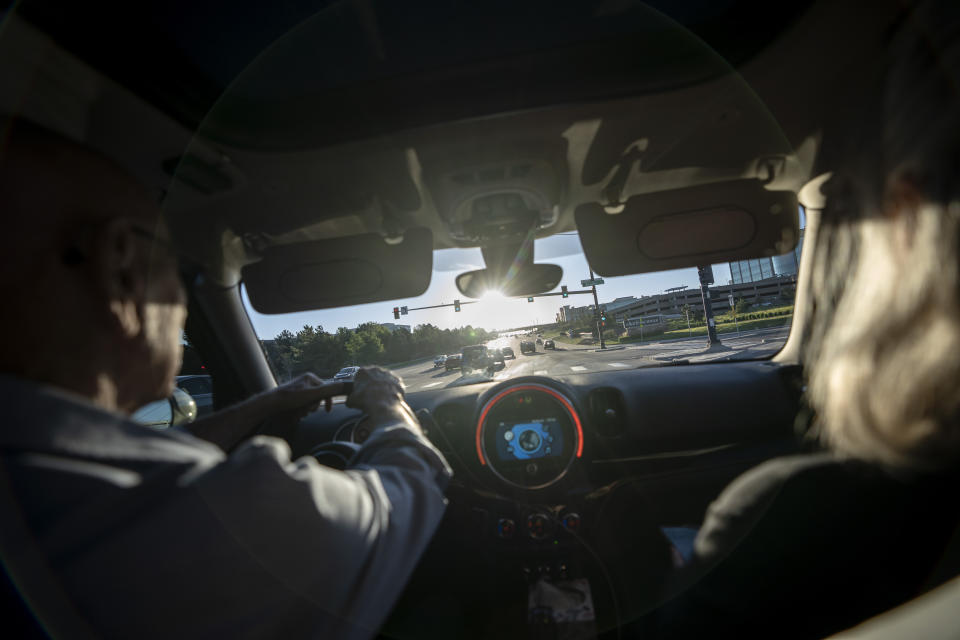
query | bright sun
[492, 295]
[497, 309]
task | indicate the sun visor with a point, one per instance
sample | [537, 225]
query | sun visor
[701, 225]
[340, 271]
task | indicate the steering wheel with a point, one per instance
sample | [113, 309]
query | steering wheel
[336, 454]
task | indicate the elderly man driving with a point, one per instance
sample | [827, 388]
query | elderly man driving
[113, 529]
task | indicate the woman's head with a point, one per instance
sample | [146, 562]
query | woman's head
[883, 343]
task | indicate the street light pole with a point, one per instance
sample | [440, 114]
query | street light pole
[596, 313]
[706, 279]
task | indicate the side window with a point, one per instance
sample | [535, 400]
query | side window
[196, 385]
[192, 396]
[195, 379]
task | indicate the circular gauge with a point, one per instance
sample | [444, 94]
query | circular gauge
[361, 430]
[355, 430]
[528, 435]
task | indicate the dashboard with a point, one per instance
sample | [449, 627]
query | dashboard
[572, 479]
[541, 438]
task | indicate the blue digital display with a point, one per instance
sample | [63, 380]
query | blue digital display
[529, 440]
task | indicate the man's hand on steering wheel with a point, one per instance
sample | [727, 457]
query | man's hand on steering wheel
[380, 395]
[271, 411]
[377, 392]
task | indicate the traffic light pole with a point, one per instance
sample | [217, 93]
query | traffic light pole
[705, 281]
[596, 309]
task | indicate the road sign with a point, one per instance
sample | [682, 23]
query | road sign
[730, 300]
[403, 311]
[591, 282]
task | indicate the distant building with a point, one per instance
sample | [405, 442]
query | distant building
[617, 303]
[744, 271]
[671, 304]
[394, 327]
[789, 263]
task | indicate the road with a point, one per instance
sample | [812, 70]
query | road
[749, 345]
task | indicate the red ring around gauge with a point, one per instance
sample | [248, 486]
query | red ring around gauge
[529, 387]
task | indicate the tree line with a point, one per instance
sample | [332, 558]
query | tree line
[312, 349]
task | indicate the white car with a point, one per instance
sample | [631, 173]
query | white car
[439, 361]
[346, 374]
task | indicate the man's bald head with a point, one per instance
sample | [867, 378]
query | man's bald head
[89, 281]
[49, 183]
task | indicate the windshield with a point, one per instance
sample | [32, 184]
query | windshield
[642, 320]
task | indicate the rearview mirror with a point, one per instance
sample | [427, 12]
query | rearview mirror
[529, 280]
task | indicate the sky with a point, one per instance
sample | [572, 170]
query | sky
[489, 313]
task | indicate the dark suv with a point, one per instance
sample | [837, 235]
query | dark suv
[476, 357]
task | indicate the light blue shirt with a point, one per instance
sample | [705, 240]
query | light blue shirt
[159, 534]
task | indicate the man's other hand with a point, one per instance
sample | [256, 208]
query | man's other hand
[275, 411]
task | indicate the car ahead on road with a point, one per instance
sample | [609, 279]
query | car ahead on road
[477, 356]
[452, 361]
[346, 374]
[539, 340]
[200, 388]
[548, 344]
[508, 352]
[528, 346]
[497, 356]
[439, 361]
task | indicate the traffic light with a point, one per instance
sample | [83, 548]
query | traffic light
[396, 313]
[603, 319]
[456, 305]
[529, 298]
[563, 291]
[705, 274]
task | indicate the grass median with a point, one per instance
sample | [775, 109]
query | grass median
[722, 327]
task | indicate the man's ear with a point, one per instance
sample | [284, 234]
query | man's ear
[121, 275]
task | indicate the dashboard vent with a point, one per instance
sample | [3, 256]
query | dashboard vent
[608, 412]
[453, 420]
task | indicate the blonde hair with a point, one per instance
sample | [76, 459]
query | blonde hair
[882, 332]
[885, 375]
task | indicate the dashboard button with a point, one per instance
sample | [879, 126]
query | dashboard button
[506, 528]
[538, 526]
[571, 522]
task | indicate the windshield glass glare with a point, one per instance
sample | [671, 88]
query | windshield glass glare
[643, 320]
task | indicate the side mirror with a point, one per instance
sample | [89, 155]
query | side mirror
[183, 407]
[179, 408]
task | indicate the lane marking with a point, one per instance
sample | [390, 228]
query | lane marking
[578, 368]
[432, 384]
[618, 365]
